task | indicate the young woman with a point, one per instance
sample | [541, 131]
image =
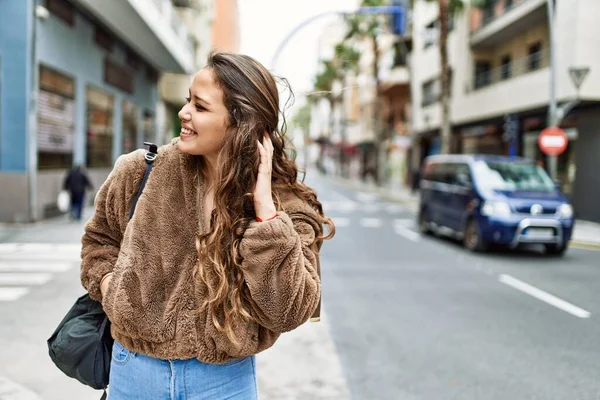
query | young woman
[221, 255]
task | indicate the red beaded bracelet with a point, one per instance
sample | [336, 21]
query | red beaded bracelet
[261, 220]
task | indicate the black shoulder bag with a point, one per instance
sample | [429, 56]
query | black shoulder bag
[81, 345]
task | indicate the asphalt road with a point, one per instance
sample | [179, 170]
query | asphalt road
[417, 317]
[405, 316]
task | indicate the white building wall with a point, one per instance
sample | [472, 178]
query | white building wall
[577, 31]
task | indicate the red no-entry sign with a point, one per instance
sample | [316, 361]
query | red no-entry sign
[553, 141]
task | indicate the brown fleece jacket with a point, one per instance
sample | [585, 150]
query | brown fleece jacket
[153, 300]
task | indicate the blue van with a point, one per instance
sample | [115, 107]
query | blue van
[485, 200]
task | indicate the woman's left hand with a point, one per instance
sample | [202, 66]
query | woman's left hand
[264, 206]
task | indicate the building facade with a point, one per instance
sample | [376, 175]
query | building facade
[78, 85]
[212, 25]
[500, 71]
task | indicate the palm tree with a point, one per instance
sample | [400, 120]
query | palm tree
[368, 27]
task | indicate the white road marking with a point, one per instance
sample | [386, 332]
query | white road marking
[341, 222]
[370, 208]
[26, 265]
[370, 222]
[401, 229]
[10, 248]
[341, 196]
[395, 208]
[543, 296]
[15, 278]
[365, 197]
[339, 206]
[12, 293]
[18, 266]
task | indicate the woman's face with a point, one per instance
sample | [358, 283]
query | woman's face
[204, 118]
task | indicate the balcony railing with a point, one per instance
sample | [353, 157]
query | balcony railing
[490, 16]
[515, 68]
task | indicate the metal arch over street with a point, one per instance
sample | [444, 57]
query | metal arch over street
[363, 10]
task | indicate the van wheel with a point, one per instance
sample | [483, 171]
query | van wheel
[556, 250]
[473, 239]
[423, 224]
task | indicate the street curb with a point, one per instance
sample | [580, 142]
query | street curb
[578, 244]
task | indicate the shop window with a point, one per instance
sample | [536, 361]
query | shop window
[56, 120]
[130, 126]
[62, 9]
[534, 60]
[506, 67]
[148, 127]
[100, 106]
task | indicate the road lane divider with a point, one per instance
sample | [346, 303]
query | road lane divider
[401, 229]
[543, 296]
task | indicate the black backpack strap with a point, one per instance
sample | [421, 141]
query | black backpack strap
[150, 157]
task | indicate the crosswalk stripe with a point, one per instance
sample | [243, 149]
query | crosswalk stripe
[17, 266]
[341, 222]
[11, 248]
[12, 293]
[395, 208]
[370, 208]
[40, 257]
[16, 278]
[370, 222]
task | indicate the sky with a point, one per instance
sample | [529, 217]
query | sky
[265, 23]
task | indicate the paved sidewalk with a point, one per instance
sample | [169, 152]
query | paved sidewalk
[586, 233]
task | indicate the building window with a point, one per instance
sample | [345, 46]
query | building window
[430, 35]
[506, 67]
[535, 56]
[62, 9]
[99, 128]
[400, 54]
[483, 74]
[56, 120]
[148, 127]
[132, 60]
[104, 39]
[130, 126]
[430, 92]
[118, 76]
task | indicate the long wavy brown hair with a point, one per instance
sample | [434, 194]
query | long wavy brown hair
[251, 96]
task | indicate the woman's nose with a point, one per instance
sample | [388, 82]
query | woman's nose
[183, 114]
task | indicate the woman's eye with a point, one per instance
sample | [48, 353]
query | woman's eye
[200, 108]
[187, 99]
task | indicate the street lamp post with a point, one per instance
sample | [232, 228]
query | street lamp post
[557, 113]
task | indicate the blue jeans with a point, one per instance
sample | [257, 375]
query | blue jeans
[135, 376]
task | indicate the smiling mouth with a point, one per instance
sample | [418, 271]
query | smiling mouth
[185, 132]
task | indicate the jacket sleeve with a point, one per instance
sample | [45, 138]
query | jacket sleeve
[279, 266]
[104, 231]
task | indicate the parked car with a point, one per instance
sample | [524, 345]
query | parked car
[485, 200]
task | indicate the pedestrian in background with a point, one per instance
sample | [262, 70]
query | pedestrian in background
[76, 183]
[222, 253]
